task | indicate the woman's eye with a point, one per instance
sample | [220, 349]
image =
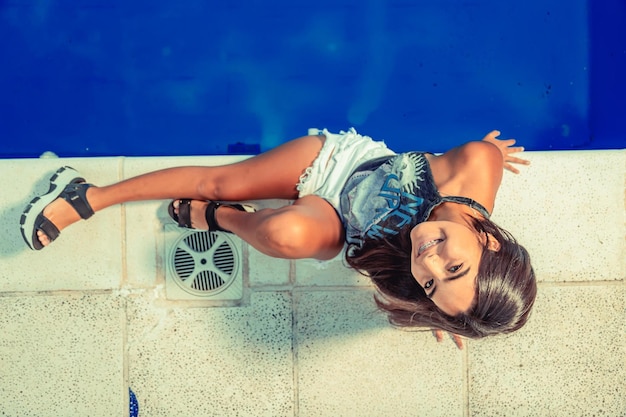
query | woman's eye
[429, 284]
[455, 268]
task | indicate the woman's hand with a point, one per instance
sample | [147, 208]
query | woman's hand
[506, 149]
[457, 339]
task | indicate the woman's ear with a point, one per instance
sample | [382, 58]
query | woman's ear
[492, 243]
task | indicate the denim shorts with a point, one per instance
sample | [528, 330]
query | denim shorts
[339, 157]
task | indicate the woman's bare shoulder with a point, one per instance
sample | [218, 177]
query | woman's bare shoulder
[472, 170]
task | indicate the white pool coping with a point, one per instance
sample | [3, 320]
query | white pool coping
[86, 319]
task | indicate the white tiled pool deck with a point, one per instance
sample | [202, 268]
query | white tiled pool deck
[87, 319]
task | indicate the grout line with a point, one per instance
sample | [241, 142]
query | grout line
[123, 282]
[294, 357]
[334, 288]
[466, 381]
[124, 278]
[310, 288]
[292, 273]
[282, 288]
[294, 340]
[56, 293]
[125, 356]
[245, 273]
[563, 284]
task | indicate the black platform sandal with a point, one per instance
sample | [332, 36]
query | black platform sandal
[67, 184]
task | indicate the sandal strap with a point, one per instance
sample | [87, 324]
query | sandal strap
[46, 226]
[209, 214]
[76, 195]
[184, 213]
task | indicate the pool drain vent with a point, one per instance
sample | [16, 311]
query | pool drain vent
[204, 265]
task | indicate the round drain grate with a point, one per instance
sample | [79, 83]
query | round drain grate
[204, 263]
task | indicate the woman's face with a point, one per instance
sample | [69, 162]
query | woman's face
[445, 257]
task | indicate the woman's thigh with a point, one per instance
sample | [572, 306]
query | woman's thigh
[273, 174]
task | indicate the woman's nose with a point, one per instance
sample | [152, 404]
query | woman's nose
[433, 262]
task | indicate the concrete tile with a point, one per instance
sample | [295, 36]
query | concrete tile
[567, 361]
[212, 361]
[62, 355]
[567, 209]
[350, 362]
[87, 255]
[267, 271]
[335, 272]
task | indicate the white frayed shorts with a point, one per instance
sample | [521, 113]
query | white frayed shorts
[340, 155]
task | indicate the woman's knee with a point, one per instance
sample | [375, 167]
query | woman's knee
[283, 233]
[292, 235]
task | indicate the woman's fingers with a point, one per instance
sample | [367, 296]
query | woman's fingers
[458, 341]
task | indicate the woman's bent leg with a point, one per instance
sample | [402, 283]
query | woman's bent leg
[310, 228]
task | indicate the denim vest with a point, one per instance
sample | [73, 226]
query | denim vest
[388, 194]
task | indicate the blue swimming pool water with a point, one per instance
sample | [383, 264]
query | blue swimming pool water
[106, 78]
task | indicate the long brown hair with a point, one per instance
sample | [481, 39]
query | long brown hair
[505, 285]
